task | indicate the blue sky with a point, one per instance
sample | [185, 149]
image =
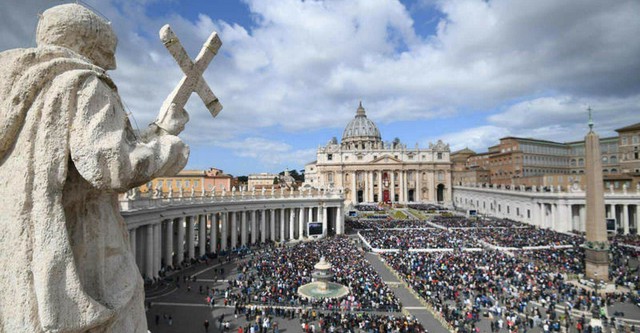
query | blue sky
[291, 73]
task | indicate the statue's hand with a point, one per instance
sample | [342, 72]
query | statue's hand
[172, 121]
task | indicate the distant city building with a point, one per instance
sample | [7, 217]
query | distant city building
[260, 180]
[629, 149]
[370, 170]
[532, 162]
[189, 180]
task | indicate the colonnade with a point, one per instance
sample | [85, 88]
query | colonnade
[170, 241]
[560, 211]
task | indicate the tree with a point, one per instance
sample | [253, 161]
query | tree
[276, 180]
[243, 179]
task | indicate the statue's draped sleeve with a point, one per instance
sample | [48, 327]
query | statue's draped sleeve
[104, 148]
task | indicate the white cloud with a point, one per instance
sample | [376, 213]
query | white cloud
[477, 138]
[303, 65]
[270, 153]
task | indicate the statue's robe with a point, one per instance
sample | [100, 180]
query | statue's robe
[66, 150]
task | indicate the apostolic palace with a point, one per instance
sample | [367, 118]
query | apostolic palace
[371, 170]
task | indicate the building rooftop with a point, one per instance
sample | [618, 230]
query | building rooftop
[633, 127]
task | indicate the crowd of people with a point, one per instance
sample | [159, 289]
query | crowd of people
[419, 239]
[367, 223]
[274, 275]
[475, 222]
[464, 287]
[369, 208]
[426, 207]
[524, 237]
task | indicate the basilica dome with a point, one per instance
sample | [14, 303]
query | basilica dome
[361, 128]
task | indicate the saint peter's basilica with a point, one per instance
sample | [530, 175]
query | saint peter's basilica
[387, 172]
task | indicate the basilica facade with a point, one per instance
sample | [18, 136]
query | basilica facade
[370, 170]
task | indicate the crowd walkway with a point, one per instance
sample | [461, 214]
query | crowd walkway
[410, 302]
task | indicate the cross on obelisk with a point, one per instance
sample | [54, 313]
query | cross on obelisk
[192, 80]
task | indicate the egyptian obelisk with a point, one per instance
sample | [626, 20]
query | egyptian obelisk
[597, 246]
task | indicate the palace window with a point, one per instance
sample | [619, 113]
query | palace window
[329, 157]
[187, 183]
[439, 156]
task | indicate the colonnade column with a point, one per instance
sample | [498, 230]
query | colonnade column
[234, 230]
[292, 223]
[380, 195]
[190, 238]
[325, 227]
[254, 227]
[625, 218]
[157, 249]
[371, 187]
[272, 225]
[213, 242]
[168, 250]
[282, 223]
[148, 262]
[202, 236]
[339, 221]
[224, 218]
[403, 185]
[418, 192]
[301, 224]
[263, 225]
[392, 194]
[354, 194]
[180, 241]
[244, 230]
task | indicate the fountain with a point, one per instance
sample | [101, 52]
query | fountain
[322, 287]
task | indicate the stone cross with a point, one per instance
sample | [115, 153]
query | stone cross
[192, 80]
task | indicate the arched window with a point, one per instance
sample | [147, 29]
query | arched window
[613, 159]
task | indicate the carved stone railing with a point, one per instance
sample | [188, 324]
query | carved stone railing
[130, 202]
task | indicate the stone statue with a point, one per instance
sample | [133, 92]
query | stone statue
[66, 150]
[624, 188]
[272, 190]
[263, 191]
[193, 191]
[253, 191]
[170, 194]
[611, 188]
[638, 188]
[213, 191]
[224, 191]
[181, 192]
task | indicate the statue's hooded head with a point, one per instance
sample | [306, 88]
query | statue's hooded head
[77, 28]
